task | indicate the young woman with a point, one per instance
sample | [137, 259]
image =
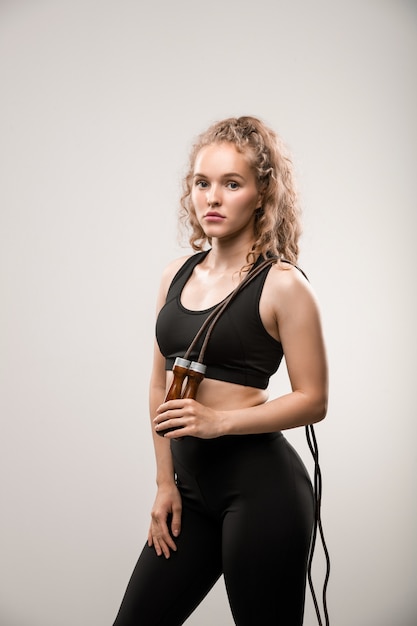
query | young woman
[233, 497]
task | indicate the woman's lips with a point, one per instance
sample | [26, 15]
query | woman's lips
[213, 216]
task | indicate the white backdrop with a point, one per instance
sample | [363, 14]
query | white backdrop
[99, 104]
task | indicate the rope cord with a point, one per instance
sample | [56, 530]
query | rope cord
[312, 444]
[208, 327]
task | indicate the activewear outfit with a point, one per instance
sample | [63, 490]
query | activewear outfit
[248, 508]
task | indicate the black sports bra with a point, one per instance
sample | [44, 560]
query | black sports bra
[240, 349]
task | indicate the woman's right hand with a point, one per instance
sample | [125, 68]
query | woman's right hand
[167, 504]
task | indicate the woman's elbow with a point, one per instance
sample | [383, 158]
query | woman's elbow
[315, 405]
[319, 409]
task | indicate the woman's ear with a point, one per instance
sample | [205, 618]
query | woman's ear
[260, 200]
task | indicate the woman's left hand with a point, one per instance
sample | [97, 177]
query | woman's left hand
[189, 418]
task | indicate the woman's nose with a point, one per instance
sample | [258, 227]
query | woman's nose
[213, 196]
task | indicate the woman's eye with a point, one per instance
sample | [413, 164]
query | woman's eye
[202, 184]
[233, 185]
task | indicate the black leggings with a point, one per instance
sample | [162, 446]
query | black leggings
[248, 513]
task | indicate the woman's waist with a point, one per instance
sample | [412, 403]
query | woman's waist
[227, 452]
[226, 396]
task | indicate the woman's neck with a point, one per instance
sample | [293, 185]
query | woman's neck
[228, 258]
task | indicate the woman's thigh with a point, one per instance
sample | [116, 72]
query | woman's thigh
[266, 540]
[164, 592]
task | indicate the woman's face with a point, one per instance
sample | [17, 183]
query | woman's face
[224, 192]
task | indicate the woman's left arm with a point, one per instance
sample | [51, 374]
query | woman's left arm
[299, 328]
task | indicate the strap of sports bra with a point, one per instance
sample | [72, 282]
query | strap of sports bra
[296, 267]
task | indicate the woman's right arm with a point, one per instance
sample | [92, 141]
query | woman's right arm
[166, 510]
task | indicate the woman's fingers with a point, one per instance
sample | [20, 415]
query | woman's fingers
[167, 506]
[176, 520]
[175, 414]
[190, 419]
[162, 548]
[169, 419]
[159, 534]
[160, 538]
[169, 425]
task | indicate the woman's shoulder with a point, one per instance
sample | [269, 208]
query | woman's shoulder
[172, 268]
[177, 266]
[287, 274]
[174, 265]
[287, 282]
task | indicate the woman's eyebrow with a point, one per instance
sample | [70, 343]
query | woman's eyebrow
[227, 175]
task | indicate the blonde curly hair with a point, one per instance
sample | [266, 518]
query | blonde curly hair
[277, 222]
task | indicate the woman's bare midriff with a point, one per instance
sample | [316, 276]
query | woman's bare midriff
[218, 394]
